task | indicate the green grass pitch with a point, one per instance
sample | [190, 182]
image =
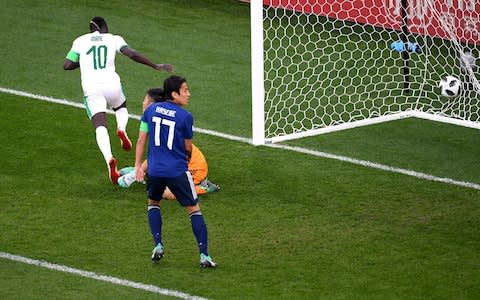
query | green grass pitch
[286, 225]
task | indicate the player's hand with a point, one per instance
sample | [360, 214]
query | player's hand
[164, 67]
[139, 174]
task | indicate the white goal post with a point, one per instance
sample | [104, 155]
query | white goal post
[321, 66]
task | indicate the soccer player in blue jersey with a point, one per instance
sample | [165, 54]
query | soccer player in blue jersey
[197, 164]
[168, 127]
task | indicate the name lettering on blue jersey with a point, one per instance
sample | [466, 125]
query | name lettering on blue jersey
[96, 38]
[166, 112]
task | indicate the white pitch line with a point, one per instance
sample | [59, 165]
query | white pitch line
[99, 277]
[136, 117]
[373, 165]
[364, 163]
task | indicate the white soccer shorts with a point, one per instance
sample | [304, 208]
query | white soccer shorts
[102, 96]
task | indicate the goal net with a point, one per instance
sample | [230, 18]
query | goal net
[321, 66]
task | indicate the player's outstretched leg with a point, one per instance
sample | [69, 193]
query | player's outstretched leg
[103, 142]
[121, 115]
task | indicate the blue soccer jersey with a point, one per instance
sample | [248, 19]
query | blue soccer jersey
[169, 125]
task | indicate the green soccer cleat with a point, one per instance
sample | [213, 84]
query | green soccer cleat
[209, 186]
[126, 170]
[157, 252]
[125, 181]
[207, 262]
[121, 182]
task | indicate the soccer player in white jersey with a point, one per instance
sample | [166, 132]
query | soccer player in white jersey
[94, 53]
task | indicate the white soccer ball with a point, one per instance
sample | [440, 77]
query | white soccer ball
[450, 86]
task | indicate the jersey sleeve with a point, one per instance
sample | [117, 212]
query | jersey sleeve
[143, 126]
[74, 53]
[144, 121]
[73, 56]
[189, 126]
[119, 42]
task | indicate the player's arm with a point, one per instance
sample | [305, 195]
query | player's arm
[188, 148]
[71, 62]
[142, 59]
[140, 149]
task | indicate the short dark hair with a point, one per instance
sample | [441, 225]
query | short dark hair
[98, 24]
[156, 94]
[172, 84]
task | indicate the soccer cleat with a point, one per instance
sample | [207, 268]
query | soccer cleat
[206, 261]
[124, 140]
[121, 182]
[157, 252]
[209, 186]
[112, 170]
[125, 181]
[126, 170]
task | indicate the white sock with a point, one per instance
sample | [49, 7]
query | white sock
[121, 116]
[103, 142]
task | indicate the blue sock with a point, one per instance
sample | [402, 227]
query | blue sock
[200, 231]
[155, 222]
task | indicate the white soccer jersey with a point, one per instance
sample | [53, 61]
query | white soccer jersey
[96, 54]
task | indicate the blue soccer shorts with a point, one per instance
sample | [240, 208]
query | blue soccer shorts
[182, 187]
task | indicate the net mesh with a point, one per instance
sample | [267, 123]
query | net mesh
[332, 63]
